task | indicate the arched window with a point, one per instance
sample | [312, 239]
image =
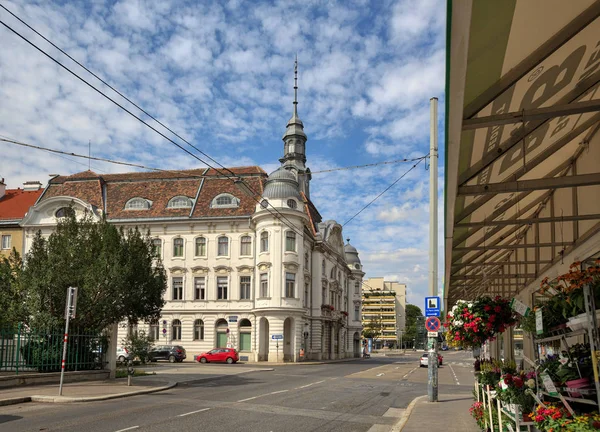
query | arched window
[176, 330]
[225, 200]
[292, 204]
[137, 204]
[264, 241]
[221, 327]
[200, 246]
[63, 212]
[198, 329]
[178, 247]
[246, 245]
[290, 241]
[223, 246]
[179, 202]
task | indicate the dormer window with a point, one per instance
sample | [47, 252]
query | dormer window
[137, 204]
[292, 203]
[63, 212]
[225, 200]
[179, 202]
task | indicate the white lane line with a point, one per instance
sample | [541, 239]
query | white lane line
[280, 391]
[126, 429]
[193, 412]
[454, 373]
[247, 399]
[380, 374]
[308, 385]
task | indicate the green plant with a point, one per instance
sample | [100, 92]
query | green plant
[139, 344]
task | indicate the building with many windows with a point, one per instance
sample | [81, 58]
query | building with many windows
[251, 263]
[14, 203]
[384, 305]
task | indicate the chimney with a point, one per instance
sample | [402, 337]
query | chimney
[2, 188]
[32, 186]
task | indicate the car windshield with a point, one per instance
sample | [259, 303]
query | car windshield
[425, 355]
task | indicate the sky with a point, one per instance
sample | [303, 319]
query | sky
[220, 74]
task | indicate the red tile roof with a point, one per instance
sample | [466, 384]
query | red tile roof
[159, 187]
[16, 202]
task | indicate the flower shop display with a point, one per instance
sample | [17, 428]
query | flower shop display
[550, 417]
[470, 324]
[478, 413]
[515, 392]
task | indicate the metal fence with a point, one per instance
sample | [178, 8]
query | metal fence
[23, 349]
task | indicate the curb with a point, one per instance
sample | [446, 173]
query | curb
[14, 401]
[67, 399]
[406, 415]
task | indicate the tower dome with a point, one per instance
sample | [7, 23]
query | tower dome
[282, 183]
[352, 256]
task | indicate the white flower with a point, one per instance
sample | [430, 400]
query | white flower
[470, 305]
[451, 314]
[454, 308]
[458, 323]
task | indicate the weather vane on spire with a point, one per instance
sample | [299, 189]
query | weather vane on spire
[296, 86]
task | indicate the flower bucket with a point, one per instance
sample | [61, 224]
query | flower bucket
[580, 321]
[578, 383]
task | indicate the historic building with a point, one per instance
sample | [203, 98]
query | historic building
[251, 263]
[14, 203]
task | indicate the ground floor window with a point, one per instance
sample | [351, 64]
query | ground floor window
[245, 341]
[176, 330]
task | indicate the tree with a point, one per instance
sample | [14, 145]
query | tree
[138, 344]
[115, 271]
[412, 314]
[12, 296]
[373, 329]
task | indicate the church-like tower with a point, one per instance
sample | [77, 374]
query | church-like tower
[294, 139]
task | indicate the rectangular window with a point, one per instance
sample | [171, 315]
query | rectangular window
[177, 288]
[157, 245]
[199, 288]
[290, 241]
[178, 247]
[244, 287]
[223, 246]
[6, 241]
[356, 287]
[222, 286]
[246, 246]
[290, 285]
[200, 246]
[264, 242]
[306, 294]
[245, 341]
[356, 313]
[264, 285]
[154, 331]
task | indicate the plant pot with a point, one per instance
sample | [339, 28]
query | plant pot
[578, 383]
[580, 321]
[528, 417]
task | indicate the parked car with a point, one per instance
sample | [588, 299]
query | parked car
[123, 354]
[227, 355]
[424, 360]
[173, 353]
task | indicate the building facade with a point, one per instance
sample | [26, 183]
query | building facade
[384, 304]
[14, 204]
[251, 263]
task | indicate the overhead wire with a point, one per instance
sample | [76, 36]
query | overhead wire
[384, 191]
[369, 165]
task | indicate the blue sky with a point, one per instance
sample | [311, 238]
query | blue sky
[221, 75]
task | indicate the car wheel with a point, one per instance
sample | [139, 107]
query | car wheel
[229, 360]
[121, 359]
[172, 359]
[203, 360]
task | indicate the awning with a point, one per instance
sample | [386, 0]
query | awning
[522, 142]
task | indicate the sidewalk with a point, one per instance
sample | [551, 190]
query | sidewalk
[450, 414]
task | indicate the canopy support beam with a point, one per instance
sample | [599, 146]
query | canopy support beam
[529, 221]
[531, 185]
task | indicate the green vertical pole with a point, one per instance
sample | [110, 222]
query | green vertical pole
[18, 345]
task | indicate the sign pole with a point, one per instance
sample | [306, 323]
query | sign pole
[69, 311]
[432, 372]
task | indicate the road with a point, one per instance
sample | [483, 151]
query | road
[361, 395]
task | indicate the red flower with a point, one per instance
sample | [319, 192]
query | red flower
[492, 318]
[518, 382]
[498, 309]
[487, 308]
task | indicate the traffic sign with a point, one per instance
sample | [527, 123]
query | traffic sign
[432, 324]
[233, 319]
[432, 334]
[164, 331]
[432, 306]
[277, 337]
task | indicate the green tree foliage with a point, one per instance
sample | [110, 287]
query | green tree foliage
[412, 314]
[115, 271]
[139, 344]
[12, 296]
[373, 329]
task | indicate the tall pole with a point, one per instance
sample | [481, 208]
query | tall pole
[432, 373]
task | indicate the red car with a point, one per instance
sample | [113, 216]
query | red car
[227, 355]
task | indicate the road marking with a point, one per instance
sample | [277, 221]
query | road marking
[453, 373]
[280, 391]
[380, 374]
[193, 412]
[126, 429]
[247, 399]
[308, 385]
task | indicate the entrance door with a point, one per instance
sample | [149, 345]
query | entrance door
[221, 340]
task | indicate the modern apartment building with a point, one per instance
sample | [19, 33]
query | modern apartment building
[384, 304]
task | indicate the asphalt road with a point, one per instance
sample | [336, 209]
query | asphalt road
[362, 396]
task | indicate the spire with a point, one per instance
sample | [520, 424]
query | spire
[295, 125]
